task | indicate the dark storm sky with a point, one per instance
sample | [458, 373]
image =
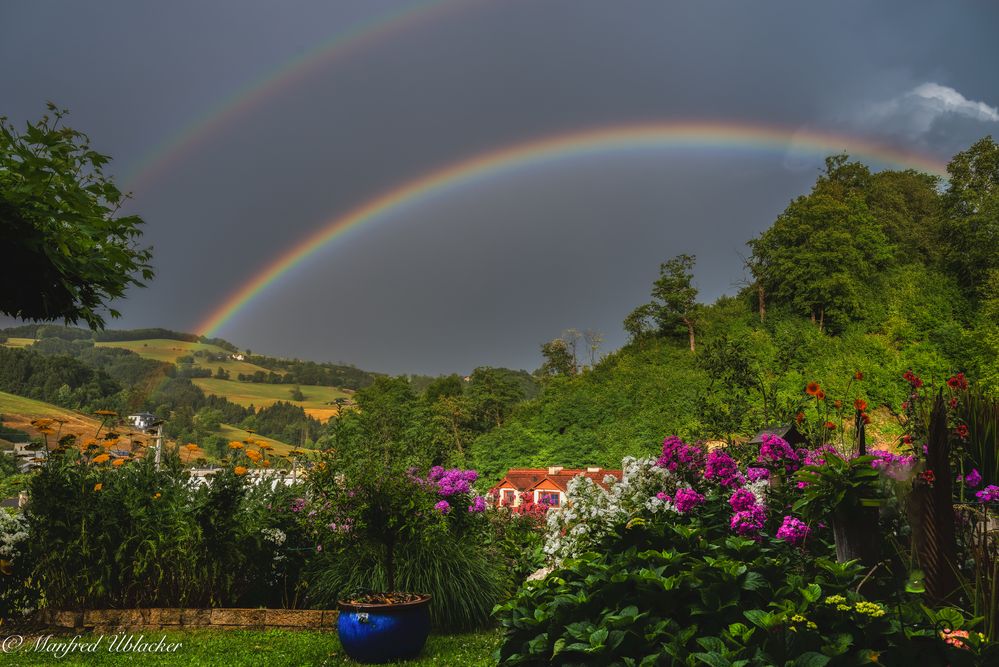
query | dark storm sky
[483, 275]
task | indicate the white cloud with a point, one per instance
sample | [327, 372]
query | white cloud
[917, 112]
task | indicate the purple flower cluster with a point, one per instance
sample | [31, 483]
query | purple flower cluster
[443, 507]
[742, 500]
[817, 456]
[973, 478]
[776, 450]
[757, 474]
[686, 500]
[990, 494]
[896, 466]
[298, 505]
[678, 455]
[722, 468]
[749, 523]
[793, 531]
[478, 505]
[452, 482]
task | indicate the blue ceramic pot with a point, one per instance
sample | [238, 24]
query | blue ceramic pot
[374, 633]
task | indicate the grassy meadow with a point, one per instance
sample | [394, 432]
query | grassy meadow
[317, 399]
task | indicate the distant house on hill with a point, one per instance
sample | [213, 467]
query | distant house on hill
[543, 485]
[142, 420]
[236, 356]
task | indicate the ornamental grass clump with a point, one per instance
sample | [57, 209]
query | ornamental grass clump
[385, 521]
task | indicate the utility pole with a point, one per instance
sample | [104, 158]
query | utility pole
[159, 444]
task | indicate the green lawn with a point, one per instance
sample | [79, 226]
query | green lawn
[271, 648]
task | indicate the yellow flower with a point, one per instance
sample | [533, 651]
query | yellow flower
[798, 618]
[235, 445]
[239, 470]
[872, 609]
[156, 496]
[98, 486]
[835, 599]
[101, 458]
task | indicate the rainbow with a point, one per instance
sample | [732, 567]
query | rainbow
[550, 149]
[169, 151]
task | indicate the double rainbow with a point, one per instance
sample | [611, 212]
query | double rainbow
[641, 137]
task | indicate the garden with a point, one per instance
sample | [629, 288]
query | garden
[805, 546]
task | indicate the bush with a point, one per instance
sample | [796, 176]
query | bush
[122, 533]
[691, 559]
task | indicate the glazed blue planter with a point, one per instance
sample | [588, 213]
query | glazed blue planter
[375, 633]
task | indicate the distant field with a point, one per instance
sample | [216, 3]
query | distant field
[19, 342]
[261, 395]
[18, 412]
[230, 432]
[165, 349]
[162, 349]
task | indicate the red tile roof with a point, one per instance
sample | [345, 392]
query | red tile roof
[525, 479]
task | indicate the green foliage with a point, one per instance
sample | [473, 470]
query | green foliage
[839, 486]
[690, 594]
[68, 251]
[135, 536]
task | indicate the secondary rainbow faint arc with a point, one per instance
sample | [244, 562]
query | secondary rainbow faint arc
[356, 36]
[646, 136]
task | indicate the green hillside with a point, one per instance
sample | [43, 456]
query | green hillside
[318, 400]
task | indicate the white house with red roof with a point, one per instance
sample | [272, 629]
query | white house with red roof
[542, 485]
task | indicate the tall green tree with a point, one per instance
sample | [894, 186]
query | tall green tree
[970, 229]
[557, 359]
[820, 256]
[674, 309]
[67, 250]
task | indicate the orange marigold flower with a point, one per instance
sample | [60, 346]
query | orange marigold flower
[191, 447]
[860, 404]
[830, 426]
[240, 470]
[821, 395]
[253, 455]
[156, 496]
[102, 458]
[235, 444]
[838, 404]
[800, 417]
[117, 463]
[265, 463]
[98, 486]
[812, 388]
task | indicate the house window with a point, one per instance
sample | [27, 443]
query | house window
[509, 496]
[550, 498]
